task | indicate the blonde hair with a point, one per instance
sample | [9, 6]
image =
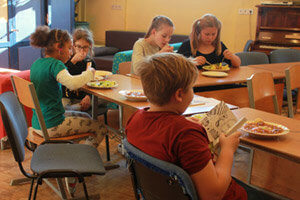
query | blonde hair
[87, 35]
[207, 20]
[43, 37]
[163, 74]
[157, 23]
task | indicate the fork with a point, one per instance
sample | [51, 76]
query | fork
[208, 62]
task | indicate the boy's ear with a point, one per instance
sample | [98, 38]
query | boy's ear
[178, 96]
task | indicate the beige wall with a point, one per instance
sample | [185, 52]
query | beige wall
[136, 15]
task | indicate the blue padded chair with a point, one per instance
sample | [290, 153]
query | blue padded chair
[253, 58]
[156, 179]
[51, 159]
[285, 55]
[247, 46]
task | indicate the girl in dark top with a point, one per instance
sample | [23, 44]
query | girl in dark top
[205, 46]
[83, 49]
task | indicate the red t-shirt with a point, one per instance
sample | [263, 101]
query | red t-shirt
[170, 137]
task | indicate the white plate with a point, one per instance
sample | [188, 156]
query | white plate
[214, 74]
[285, 131]
[98, 78]
[130, 95]
[210, 68]
[102, 84]
[102, 73]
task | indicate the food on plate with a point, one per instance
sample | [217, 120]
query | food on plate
[261, 127]
[135, 93]
[98, 78]
[199, 116]
[103, 84]
[217, 67]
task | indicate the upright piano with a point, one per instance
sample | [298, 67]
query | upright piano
[278, 26]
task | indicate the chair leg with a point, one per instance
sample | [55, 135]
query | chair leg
[36, 189]
[85, 190]
[31, 187]
[106, 140]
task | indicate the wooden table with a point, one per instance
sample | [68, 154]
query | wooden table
[239, 95]
[235, 75]
[275, 67]
[128, 83]
[275, 163]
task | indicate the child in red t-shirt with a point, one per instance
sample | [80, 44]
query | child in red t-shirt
[162, 132]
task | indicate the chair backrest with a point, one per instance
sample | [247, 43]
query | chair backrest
[157, 179]
[292, 82]
[285, 55]
[125, 68]
[253, 58]
[27, 96]
[247, 46]
[15, 124]
[261, 85]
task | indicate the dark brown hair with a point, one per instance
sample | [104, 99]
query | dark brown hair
[207, 20]
[157, 22]
[163, 74]
[43, 37]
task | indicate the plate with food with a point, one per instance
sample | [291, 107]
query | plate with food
[217, 67]
[134, 95]
[199, 116]
[105, 84]
[101, 74]
[259, 127]
[214, 74]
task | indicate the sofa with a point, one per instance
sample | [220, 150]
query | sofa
[118, 41]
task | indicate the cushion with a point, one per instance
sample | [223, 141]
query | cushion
[103, 51]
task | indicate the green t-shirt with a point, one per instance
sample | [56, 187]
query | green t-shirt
[43, 74]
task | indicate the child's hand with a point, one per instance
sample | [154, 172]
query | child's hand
[200, 60]
[85, 103]
[79, 56]
[167, 48]
[228, 55]
[230, 142]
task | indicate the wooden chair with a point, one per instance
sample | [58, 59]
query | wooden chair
[124, 68]
[261, 86]
[292, 82]
[27, 96]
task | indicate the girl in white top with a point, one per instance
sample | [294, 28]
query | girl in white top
[156, 40]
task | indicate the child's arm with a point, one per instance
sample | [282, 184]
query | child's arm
[137, 56]
[235, 60]
[76, 81]
[217, 177]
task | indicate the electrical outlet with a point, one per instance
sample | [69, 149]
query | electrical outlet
[243, 11]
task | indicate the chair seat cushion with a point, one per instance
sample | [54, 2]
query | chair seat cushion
[82, 158]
